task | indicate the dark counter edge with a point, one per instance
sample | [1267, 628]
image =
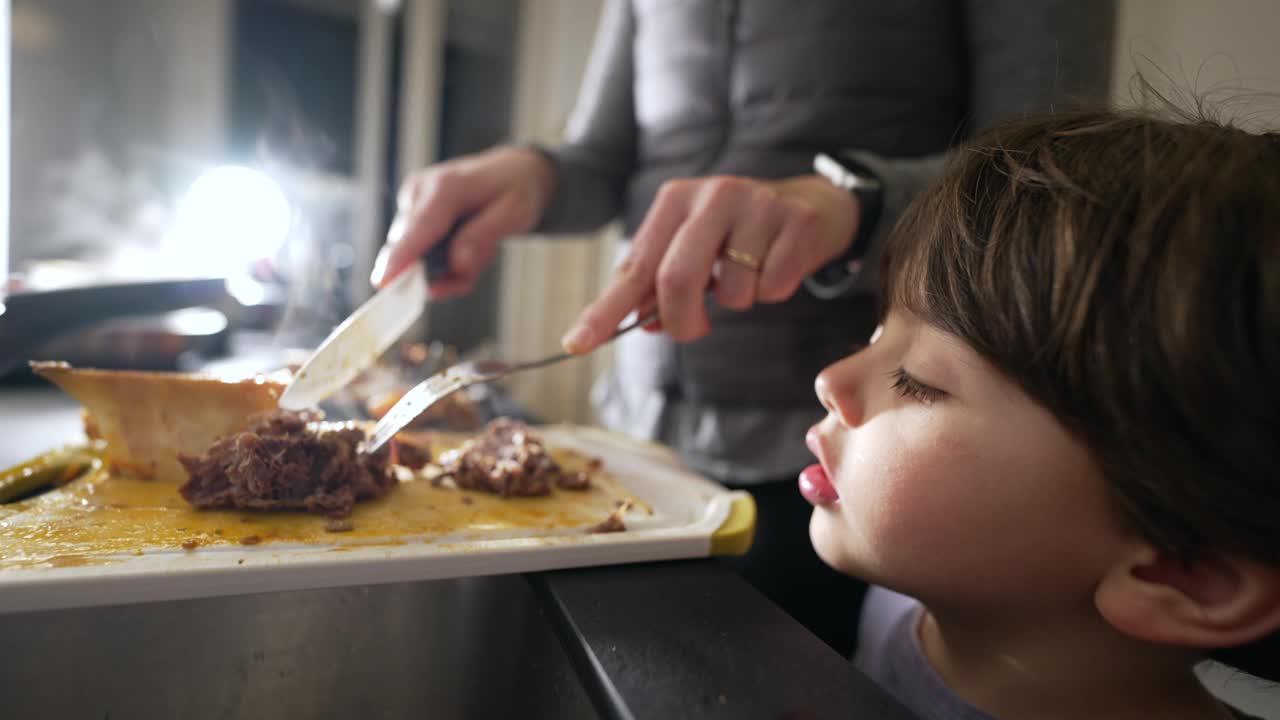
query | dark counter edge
[693, 639]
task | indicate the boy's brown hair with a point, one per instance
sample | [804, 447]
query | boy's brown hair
[1124, 270]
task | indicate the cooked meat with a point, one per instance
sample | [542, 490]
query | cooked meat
[286, 461]
[509, 459]
[411, 449]
[573, 481]
[337, 525]
[614, 522]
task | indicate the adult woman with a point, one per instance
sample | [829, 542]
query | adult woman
[698, 124]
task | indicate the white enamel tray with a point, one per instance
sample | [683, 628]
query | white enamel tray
[692, 517]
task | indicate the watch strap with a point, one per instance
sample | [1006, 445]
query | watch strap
[837, 276]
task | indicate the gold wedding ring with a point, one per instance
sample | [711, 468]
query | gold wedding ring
[745, 259]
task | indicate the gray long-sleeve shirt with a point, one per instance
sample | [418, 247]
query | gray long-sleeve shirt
[683, 88]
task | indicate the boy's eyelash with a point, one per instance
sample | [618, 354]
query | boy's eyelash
[908, 386]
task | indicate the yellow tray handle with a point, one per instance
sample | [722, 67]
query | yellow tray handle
[735, 534]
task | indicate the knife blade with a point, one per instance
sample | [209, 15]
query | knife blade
[367, 333]
[359, 340]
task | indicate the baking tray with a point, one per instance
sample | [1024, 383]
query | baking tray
[691, 517]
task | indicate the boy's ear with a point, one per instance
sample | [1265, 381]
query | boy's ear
[1215, 600]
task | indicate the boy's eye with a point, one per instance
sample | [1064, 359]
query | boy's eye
[909, 387]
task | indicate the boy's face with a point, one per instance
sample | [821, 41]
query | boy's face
[948, 483]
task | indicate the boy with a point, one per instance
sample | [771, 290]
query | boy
[1061, 443]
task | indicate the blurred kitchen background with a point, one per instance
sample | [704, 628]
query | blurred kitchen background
[261, 141]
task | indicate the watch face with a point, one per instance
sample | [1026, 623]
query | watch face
[842, 175]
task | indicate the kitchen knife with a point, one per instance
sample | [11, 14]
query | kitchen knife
[358, 342]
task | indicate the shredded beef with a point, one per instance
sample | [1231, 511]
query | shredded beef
[287, 461]
[509, 459]
[573, 481]
[411, 449]
[613, 523]
[337, 525]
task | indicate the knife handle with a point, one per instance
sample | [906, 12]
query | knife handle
[436, 261]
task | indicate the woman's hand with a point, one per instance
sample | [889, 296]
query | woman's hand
[757, 240]
[498, 192]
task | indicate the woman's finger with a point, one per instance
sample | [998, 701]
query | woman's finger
[744, 252]
[685, 271]
[437, 205]
[475, 243]
[406, 196]
[633, 280]
[791, 256]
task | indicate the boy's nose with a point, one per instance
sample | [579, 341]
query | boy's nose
[838, 391]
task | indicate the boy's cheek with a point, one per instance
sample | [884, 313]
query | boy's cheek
[903, 512]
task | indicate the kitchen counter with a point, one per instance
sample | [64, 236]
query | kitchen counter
[656, 640]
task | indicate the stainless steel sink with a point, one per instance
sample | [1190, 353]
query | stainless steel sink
[472, 648]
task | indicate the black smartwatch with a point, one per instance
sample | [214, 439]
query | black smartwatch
[845, 172]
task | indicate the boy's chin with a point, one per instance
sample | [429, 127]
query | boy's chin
[825, 533]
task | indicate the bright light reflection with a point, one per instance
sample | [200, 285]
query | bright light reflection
[245, 289]
[197, 321]
[230, 217]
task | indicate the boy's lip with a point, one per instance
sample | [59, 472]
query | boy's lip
[815, 481]
[813, 441]
[816, 486]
